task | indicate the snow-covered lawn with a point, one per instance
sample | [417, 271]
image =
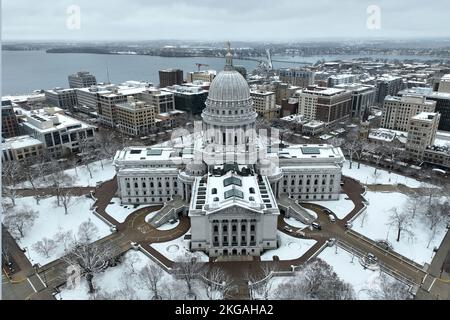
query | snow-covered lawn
[122, 282]
[366, 175]
[361, 279]
[52, 220]
[289, 248]
[177, 247]
[376, 227]
[121, 212]
[340, 207]
[348, 269]
[80, 176]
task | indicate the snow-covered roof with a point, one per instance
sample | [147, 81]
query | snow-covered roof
[308, 151]
[20, 142]
[219, 192]
[50, 119]
[429, 116]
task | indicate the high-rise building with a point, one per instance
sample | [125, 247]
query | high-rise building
[388, 86]
[339, 79]
[206, 76]
[289, 107]
[188, 98]
[421, 133]
[397, 111]
[442, 103]
[264, 103]
[59, 133]
[21, 149]
[363, 97]
[10, 127]
[297, 77]
[328, 105]
[170, 77]
[284, 91]
[82, 79]
[444, 84]
[135, 117]
[114, 95]
[61, 98]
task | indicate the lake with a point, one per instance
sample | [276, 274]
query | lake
[25, 71]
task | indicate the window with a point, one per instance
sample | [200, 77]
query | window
[225, 228]
[214, 191]
[243, 227]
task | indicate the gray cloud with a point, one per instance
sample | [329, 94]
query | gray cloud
[217, 20]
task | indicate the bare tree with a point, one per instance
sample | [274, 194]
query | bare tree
[390, 289]
[150, 277]
[91, 259]
[380, 152]
[11, 171]
[259, 282]
[187, 268]
[59, 179]
[66, 199]
[402, 221]
[19, 221]
[413, 205]
[351, 145]
[66, 238]
[45, 247]
[217, 283]
[434, 216]
[316, 280]
[87, 232]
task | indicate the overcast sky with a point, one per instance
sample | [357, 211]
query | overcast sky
[256, 20]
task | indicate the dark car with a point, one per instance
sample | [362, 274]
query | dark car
[316, 225]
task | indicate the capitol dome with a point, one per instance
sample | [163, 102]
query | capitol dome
[229, 108]
[229, 85]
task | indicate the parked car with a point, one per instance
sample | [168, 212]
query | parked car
[330, 242]
[316, 225]
[371, 257]
[288, 229]
[348, 225]
[332, 218]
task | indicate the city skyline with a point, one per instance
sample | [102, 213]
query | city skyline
[206, 20]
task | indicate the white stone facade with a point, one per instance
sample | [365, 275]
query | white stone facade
[228, 177]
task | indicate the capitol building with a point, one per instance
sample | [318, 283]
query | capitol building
[231, 181]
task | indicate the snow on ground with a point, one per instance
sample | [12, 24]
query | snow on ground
[366, 175]
[121, 212]
[348, 268]
[376, 227]
[124, 277]
[340, 207]
[177, 247]
[289, 248]
[169, 226]
[52, 219]
[80, 176]
[295, 223]
[150, 216]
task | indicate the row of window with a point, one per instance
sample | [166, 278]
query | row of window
[151, 185]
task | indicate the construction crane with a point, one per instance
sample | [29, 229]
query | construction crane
[201, 65]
